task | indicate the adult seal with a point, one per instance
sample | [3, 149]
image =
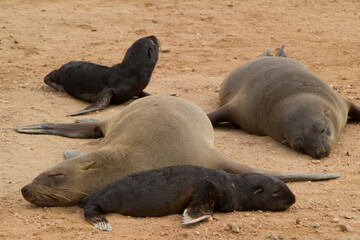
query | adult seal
[195, 191]
[102, 85]
[281, 98]
[152, 132]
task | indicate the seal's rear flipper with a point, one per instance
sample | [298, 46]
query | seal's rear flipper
[281, 52]
[101, 102]
[72, 130]
[93, 216]
[50, 81]
[266, 53]
[219, 115]
[306, 177]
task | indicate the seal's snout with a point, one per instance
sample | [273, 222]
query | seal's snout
[153, 40]
[24, 192]
[321, 152]
[27, 194]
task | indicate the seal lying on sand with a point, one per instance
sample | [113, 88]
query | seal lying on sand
[102, 85]
[200, 191]
[279, 97]
[152, 132]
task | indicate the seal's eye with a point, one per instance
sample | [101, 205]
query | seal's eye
[58, 175]
[326, 130]
[150, 52]
[258, 190]
[276, 194]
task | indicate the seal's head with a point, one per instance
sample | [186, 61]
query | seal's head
[67, 182]
[267, 193]
[310, 133]
[143, 53]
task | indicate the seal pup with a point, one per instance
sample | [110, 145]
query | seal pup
[102, 85]
[152, 132]
[281, 98]
[200, 191]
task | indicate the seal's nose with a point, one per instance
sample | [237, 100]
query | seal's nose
[24, 192]
[321, 152]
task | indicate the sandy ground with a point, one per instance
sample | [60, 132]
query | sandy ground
[202, 41]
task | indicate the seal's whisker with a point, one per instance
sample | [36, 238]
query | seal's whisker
[72, 190]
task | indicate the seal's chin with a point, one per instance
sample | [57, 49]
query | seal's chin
[43, 196]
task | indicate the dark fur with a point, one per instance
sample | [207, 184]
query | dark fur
[199, 190]
[92, 82]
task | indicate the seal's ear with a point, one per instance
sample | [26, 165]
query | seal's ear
[258, 190]
[327, 113]
[150, 51]
[88, 166]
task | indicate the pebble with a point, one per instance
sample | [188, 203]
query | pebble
[315, 225]
[233, 227]
[334, 220]
[273, 236]
[349, 216]
[346, 228]
[298, 221]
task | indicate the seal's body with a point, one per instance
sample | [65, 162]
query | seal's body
[152, 132]
[280, 97]
[102, 85]
[200, 191]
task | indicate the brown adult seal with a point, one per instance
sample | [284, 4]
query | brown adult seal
[193, 190]
[152, 132]
[102, 85]
[281, 98]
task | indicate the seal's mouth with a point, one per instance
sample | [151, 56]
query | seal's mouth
[43, 196]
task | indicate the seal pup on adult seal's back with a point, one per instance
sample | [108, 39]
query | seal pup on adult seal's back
[200, 191]
[152, 132]
[102, 85]
[281, 98]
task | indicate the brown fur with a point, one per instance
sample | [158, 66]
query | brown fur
[153, 132]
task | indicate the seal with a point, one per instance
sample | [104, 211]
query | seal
[152, 132]
[200, 191]
[281, 98]
[102, 85]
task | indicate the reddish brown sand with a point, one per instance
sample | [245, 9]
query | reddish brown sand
[202, 41]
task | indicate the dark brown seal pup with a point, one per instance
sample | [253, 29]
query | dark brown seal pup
[102, 85]
[200, 191]
[280, 97]
[152, 132]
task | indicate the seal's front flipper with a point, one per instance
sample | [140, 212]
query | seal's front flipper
[193, 218]
[87, 119]
[143, 94]
[101, 102]
[354, 111]
[219, 115]
[72, 153]
[306, 177]
[72, 130]
[93, 216]
[201, 204]
[281, 52]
